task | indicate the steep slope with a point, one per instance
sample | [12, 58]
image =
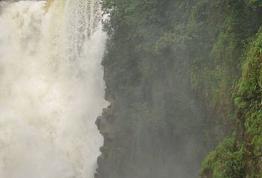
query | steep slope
[171, 69]
[240, 156]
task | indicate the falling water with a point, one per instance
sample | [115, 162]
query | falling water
[51, 88]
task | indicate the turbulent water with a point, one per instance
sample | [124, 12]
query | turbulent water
[51, 88]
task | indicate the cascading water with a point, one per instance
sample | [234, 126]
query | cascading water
[51, 88]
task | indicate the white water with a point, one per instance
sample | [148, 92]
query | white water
[51, 89]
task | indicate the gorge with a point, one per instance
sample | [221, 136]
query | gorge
[130, 88]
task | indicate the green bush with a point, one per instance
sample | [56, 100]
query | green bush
[226, 161]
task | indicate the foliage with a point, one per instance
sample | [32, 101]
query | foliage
[256, 3]
[248, 99]
[226, 161]
[245, 148]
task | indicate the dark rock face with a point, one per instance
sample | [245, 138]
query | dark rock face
[154, 127]
[151, 131]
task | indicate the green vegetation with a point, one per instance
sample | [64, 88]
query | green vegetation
[240, 156]
[256, 3]
[173, 74]
[225, 162]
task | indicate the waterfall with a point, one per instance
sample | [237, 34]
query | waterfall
[51, 88]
